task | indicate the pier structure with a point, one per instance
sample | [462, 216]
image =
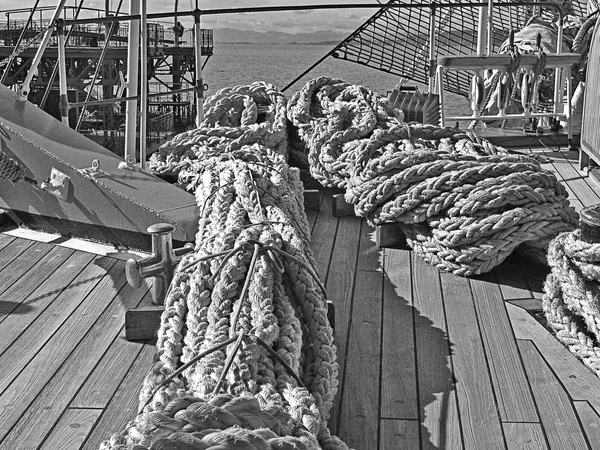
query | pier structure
[96, 64]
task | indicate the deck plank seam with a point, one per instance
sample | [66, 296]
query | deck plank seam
[35, 397]
[342, 376]
[22, 250]
[584, 176]
[487, 358]
[518, 350]
[420, 408]
[451, 358]
[550, 368]
[381, 338]
[563, 387]
[35, 265]
[65, 319]
[514, 337]
[118, 386]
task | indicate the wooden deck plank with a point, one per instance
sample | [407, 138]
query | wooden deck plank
[312, 214]
[370, 255]
[437, 396]
[12, 251]
[578, 380]
[575, 180]
[480, 421]
[323, 237]
[72, 429]
[512, 282]
[360, 394]
[399, 434]
[32, 306]
[340, 289]
[590, 421]
[22, 263]
[524, 436]
[5, 240]
[515, 401]
[101, 385]
[124, 405]
[22, 283]
[17, 354]
[572, 197]
[398, 363]
[41, 350]
[60, 388]
[556, 410]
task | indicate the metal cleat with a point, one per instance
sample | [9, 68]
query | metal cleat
[160, 265]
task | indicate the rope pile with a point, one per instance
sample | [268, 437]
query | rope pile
[10, 170]
[571, 300]
[463, 204]
[242, 115]
[245, 354]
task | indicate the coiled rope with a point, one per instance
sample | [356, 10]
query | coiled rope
[463, 203]
[10, 170]
[238, 116]
[245, 353]
[571, 300]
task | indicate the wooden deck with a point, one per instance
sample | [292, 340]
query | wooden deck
[428, 360]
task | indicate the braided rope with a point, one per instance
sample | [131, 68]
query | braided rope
[234, 117]
[245, 353]
[463, 203]
[10, 170]
[571, 298]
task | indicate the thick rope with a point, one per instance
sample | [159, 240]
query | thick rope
[245, 354]
[10, 170]
[463, 203]
[571, 298]
[234, 117]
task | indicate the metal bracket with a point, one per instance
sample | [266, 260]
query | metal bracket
[94, 171]
[57, 185]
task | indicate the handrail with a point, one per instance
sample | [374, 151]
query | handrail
[265, 9]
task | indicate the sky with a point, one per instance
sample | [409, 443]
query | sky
[290, 22]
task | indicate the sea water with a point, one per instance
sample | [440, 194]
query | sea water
[279, 64]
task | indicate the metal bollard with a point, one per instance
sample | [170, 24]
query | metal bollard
[160, 265]
[589, 223]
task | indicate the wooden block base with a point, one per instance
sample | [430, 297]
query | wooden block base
[141, 324]
[312, 200]
[390, 235]
[340, 207]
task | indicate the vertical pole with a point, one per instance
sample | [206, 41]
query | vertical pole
[559, 75]
[143, 83]
[490, 27]
[198, 62]
[481, 34]
[133, 51]
[63, 103]
[431, 84]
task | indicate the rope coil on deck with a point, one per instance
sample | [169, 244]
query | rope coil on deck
[571, 300]
[242, 115]
[463, 203]
[245, 353]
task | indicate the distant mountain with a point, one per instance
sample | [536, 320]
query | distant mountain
[255, 37]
